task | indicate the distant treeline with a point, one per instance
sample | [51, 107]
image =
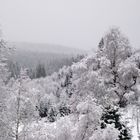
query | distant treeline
[40, 64]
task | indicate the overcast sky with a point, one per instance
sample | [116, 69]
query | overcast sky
[73, 23]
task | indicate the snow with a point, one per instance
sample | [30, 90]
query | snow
[81, 92]
[129, 114]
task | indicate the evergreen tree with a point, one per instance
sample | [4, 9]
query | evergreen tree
[40, 71]
[112, 116]
[101, 44]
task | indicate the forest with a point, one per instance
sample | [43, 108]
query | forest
[94, 97]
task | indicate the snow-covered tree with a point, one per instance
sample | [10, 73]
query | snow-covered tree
[20, 107]
[111, 115]
[89, 118]
[4, 77]
[109, 133]
[114, 53]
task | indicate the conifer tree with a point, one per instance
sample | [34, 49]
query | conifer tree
[112, 116]
[40, 71]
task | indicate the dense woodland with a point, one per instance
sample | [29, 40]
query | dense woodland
[96, 98]
[34, 56]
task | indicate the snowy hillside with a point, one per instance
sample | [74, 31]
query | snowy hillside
[96, 98]
[52, 57]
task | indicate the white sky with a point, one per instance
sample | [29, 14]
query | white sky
[75, 23]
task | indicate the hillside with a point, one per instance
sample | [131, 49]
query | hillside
[96, 98]
[53, 57]
[46, 48]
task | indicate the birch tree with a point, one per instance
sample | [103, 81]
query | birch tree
[114, 53]
[19, 105]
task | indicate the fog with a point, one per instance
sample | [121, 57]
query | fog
[72, 23]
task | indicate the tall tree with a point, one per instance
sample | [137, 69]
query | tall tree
[4, 74]
[40, 71]
[19, 104]
[114, 50]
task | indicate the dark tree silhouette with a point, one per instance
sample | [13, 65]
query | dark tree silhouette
[112, 116]
[40, 71]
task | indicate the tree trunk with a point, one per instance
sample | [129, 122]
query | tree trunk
[138, 130]
[18, 116]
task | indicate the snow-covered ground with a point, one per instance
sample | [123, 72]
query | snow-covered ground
[130, 116]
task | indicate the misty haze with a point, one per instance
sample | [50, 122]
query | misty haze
[69, 70]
